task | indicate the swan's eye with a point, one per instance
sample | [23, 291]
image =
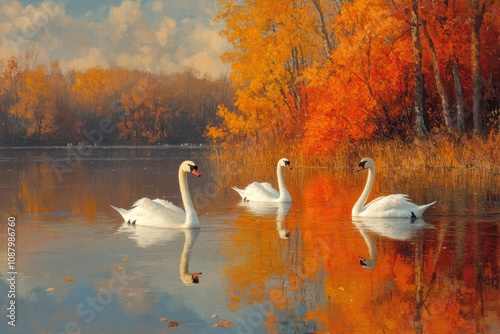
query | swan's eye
[287, 163]
[193, 167]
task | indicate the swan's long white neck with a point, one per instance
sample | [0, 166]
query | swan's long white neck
[358, 207]
[284, 194]
[191, 216]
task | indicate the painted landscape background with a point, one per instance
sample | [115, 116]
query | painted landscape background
[313, 76]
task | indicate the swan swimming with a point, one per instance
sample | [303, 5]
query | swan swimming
[264, 192]
[164, 214]
[395, 206]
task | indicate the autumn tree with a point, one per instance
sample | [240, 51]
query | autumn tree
[273, 43]
[10, 90]
[478, 10]
[37, 103]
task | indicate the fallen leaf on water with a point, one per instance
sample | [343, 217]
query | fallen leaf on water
[117, 238]
[163, 319]
[69, 279]
[224, 323]
[124, 259]
[173, 324]
[49, 289]
[213, 316]
[119, 268]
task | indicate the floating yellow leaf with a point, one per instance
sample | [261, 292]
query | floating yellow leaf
[124, 258]
[163, 319]
[49, 289]
[69, 279]
[213, 316]
[119, 268]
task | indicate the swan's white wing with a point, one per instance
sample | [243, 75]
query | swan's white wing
[260, 192]
[146, 212]
[170, 206]
[269, 187]
[397, 205]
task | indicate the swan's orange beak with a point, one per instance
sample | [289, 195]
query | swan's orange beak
[289, 166]
[195, 172]
[360, 168]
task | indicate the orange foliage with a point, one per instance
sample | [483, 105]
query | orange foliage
[288, 90]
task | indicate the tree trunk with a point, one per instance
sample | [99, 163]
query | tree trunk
[477, 87]
[327, 41]
[439, 81]
[420, 127]
[457, 79]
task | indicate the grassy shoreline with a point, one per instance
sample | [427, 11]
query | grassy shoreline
[435, 152]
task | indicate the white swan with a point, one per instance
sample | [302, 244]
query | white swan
[264, 192]
[395, 206]
[164, 214]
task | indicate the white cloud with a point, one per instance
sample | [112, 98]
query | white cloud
[130, 34]
[157, 6]
[93, 57]
[167, 27]
[123, 17]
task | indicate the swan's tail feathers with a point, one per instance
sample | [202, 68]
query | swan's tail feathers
[121, 211]
[424, 207]
[239, 191]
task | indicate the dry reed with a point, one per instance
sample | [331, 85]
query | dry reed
[436, 152]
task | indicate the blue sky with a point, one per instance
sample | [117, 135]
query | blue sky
[155, 35]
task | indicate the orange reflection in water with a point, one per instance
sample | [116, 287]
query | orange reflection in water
[419, 277]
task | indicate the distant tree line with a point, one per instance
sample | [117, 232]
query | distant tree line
[42, 105]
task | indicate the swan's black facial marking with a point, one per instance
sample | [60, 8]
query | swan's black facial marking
[362, 262]
[361, 165]
[196, 278]
[287, 163]
[194, 170]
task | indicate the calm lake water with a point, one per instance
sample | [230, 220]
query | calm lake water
[80, 269]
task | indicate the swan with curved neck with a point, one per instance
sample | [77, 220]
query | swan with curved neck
[264, 192]
[164, 214]
[395, 206]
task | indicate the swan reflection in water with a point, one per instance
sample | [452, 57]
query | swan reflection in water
[393, 228]
[280, 210]
[147, 236]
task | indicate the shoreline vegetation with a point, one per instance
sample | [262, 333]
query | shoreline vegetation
[434, 152]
